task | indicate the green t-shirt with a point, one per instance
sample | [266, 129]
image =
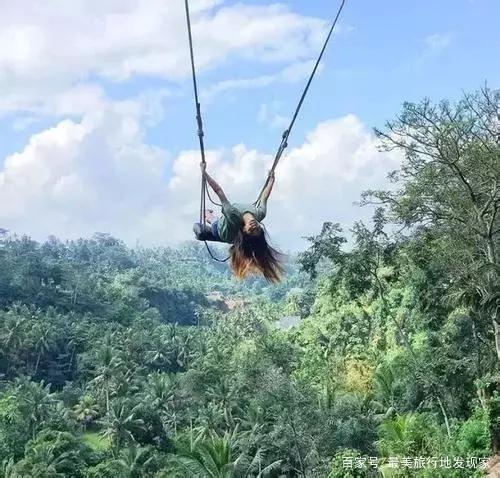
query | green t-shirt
[232, 216]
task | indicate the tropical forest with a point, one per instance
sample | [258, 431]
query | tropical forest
[376, 355]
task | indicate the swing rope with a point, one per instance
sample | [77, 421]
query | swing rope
[284, 139]
[204, 190]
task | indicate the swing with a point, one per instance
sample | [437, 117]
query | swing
[284, 138]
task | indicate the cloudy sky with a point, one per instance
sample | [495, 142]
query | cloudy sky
[97, 128]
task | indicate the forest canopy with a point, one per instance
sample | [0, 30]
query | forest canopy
[382, 343]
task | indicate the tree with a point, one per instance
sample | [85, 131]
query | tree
[36, 403]
[120, 423]
[43, 341]
[108, 364]
[53, 454]
[216, 456]
[14, 431]
[135, 461]
[450, 180]
[86, 410]
[327, 245]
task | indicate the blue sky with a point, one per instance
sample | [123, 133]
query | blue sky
[388, 57]
[383, 54]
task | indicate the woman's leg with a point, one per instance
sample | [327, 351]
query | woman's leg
[206, 232]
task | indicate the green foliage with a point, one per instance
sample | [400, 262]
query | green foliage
[473, 437]
[96, 441]
[54, 453]
[106, 469]
[13, 430]
[344, 465]
[413, 434]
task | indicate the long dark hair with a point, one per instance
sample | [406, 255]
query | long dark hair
[253, 255]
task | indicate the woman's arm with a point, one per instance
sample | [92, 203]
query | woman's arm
[267, 190]
[261, 210]
[213, 184]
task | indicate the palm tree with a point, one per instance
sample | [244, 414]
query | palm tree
[86, 410]
[37, 404]
[385, 384]
[133, 460]
[7, 469]
[395, 434]
[159, 393]
[11, 336]
[120, 423]
[43, 461]
[225, 394]
[217, 457]
[43, 341]
[108, 364]
[160, 388]
[204, 458]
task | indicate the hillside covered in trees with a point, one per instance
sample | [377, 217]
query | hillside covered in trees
[119, 362]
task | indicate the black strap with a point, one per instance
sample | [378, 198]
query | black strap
[284, 139]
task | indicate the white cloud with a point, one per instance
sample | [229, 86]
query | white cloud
[85, 99]
[438, 42]
[78, 177]
[315, 182]
[210, 93]
[47, 48]
[290, 74]
[100, 175]
[433, 46]
[268, 114]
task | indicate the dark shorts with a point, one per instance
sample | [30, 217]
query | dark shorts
[215, 229]
[207, 232]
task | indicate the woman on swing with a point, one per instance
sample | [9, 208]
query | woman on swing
[240, 225]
